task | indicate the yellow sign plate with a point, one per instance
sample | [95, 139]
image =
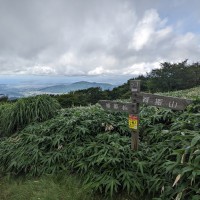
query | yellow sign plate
[133, 122]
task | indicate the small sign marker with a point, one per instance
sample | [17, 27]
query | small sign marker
[133, 122]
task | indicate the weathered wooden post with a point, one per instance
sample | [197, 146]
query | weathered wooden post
[134, 116]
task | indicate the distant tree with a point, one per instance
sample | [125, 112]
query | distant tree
[3, 98]
[175, 76]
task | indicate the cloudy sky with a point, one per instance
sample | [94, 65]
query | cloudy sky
[96, 37]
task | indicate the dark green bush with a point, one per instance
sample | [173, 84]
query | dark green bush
[16, 116]
[96, 144]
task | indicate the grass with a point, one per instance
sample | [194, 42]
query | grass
[189, 93]
[49, 187]
[60, 187]
[16, 116]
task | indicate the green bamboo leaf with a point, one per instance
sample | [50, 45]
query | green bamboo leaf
[195, 140]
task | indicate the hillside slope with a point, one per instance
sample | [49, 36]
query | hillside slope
[188, 93]
[65, 88]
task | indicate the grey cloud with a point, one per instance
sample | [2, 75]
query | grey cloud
[85, 37]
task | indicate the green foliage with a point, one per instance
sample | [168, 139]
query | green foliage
[82, 97]
[3, 98]
[109, 166]
[193, 93]
[17, 115]
[174, 154]
[96, 145]
[44, 151]
[176, 76]
[51, 187]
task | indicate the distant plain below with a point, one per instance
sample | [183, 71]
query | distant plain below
[16, 86]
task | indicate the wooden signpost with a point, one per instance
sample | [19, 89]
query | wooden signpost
[118, 106]
[138, 98]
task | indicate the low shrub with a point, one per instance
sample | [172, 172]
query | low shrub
[17, 115]
[96, 145]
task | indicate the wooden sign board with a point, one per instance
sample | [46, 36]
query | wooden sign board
[142, 98]
[161, 101]
[118, 106]
[135, 86]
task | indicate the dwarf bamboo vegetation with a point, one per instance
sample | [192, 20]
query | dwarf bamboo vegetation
[95, 144]
[15, 116]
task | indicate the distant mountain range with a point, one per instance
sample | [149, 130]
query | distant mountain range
[21, 90]
[75, 86]
[10, 91]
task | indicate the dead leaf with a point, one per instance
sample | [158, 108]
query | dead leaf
[179, 195]
[176, 180]
[182, 158]
[162, 189]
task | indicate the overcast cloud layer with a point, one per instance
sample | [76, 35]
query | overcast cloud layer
[94, 37]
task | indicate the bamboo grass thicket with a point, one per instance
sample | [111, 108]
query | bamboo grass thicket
[15, 116]
[79, 140]
[167, 165]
